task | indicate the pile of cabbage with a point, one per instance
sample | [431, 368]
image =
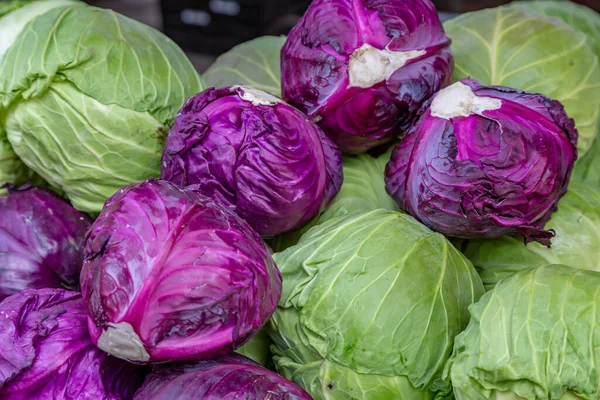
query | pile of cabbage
[377, 206]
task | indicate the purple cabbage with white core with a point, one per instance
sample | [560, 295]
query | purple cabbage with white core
[227, 377]
[363, 68]
[485, 161]
[46, 352]
[170, 275]
[41, 241]
[257, 155]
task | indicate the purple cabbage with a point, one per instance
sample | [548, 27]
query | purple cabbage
[46, 352]
[363, 68]
[172, 275]
[485, 161]
[41, 241]
[257, 155]
[228, 377]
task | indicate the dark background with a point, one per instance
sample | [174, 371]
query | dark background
[207, 28]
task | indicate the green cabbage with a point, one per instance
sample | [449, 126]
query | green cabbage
[576, 244]
[254, 63]
[534, 336]
[89, 104]
[363, 189]
[586, 21]
[513, 47]
[14, 15]
[583, 19]
[371, 304]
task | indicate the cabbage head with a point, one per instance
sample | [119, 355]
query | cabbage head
[89, 104]
[363, 189]
[534, 336]
[512, 46]
[370, 307]
[14, 15]
[576, 244]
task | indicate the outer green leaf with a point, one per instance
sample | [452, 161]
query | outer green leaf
[534, 336]
[371, 303]
[587, 169]
[363, 189]
[576, 244]
[586, 21]
[14, 15]
[525, 50]
[254, 63]
[88, 96]
[12, 170]
[72, 142]
[583, 19]
[258, 348]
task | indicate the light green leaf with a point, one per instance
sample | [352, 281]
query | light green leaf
[586, 21]
[583, 19]
[363, 189]
[254, 63]
[12, 170]
[69, 139]
[587, 168]
[334, 381]
[88, 105]
[376, 298]
[534, 336]
[513, 47]
[258, 348]
[14, 15]
[576, 244]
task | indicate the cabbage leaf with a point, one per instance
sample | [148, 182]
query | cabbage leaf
[513, 47]
[576, 244]
[370, 305]
[533, 337]
[89, 104]
[254, 63]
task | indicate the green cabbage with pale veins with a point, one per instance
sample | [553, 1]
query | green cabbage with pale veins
[371, 304]
[254, 63]
[576, 244]
[87, 97]
[586, 21]
[363, 189]
[534, 336]
[514, 47]
[14, 16]
[583, 19]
